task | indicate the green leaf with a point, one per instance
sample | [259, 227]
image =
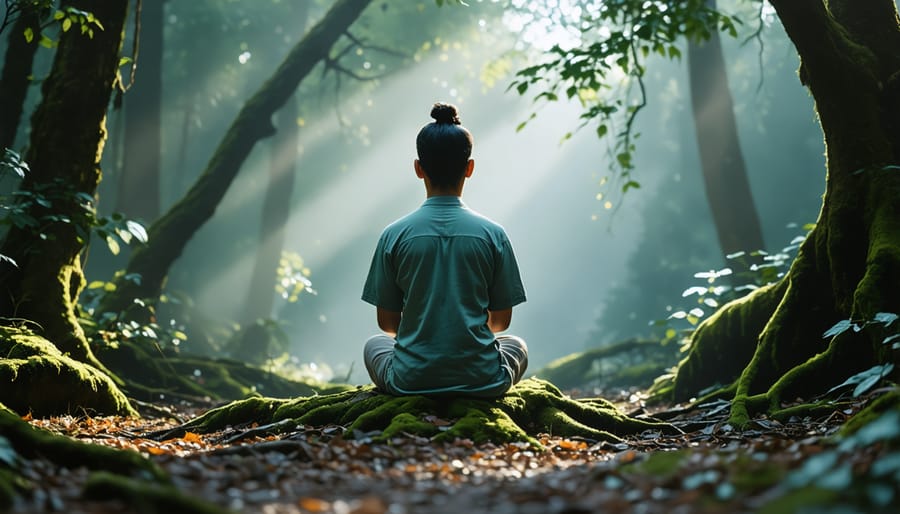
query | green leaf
[66, 24]
[886, 317]
[29, 35]
[96, 284]
[138, 230]
[631, 184]
[113, 245]
[124, 60]
[602, 130]
[58, 15]
[839, 328]
[46, 42]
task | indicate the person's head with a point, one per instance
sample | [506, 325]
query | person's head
[444, 147]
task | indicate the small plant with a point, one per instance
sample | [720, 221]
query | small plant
[866, 380]
[760, 268]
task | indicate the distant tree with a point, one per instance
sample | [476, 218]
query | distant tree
[769, 345]
[139, 189]
[722, 162]
[276, 205]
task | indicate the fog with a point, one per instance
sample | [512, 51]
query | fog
[594, 271]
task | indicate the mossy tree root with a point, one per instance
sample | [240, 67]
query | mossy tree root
[36, 377]
[725, 343]
[153, 498]
[530, 408]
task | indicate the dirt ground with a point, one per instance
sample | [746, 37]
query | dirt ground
[711, 467]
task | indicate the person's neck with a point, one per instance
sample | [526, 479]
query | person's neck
[450, 191]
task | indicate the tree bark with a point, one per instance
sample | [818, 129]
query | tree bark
[139, 191]
[67, 138]
[724, 174]
[849, 265]
[17, 66]
[170, 233]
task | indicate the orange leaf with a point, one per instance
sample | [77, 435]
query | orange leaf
[155, 450]
[314, 504]
[27, 417]
[190, 437]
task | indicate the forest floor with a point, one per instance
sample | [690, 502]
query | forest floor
[711, 467]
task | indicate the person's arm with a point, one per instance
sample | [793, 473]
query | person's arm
[388, 321]
[498, 321]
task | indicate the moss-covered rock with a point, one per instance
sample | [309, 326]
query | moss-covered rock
[36, 377]
[530, 408]
[632, 363]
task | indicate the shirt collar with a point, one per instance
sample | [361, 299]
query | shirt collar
[449, 200]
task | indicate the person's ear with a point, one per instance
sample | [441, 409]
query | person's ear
[470, 167]
[418, 167]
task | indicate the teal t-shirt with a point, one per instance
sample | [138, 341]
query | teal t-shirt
[444, 266]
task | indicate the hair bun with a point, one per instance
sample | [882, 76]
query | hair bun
[445, 113]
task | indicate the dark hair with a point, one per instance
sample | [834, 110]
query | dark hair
[444, 147]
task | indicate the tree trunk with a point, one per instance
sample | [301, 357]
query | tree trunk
[276, 211]
[138, 196]
[849, 265]
[17, 68]
[170, 233]
[67, 137]
[276, 208]
[724, 174]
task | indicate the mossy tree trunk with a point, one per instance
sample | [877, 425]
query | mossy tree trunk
[849, 266]
[68, 131]
[171, 233]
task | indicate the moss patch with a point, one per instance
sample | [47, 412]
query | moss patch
[530, 408]
[36, 377]
[152, 498]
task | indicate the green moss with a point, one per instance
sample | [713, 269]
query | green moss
[36, 377]
[659, 464]
[872, 412]
[408, 424]
[150, 498]
[806, 499]
[724, 343]
[486, 425]
[751, 476]
[531, 407]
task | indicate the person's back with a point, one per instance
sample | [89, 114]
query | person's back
[444, 279]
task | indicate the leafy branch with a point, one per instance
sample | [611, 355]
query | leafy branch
[604, 71]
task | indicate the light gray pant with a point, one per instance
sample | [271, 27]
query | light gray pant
[379, 351]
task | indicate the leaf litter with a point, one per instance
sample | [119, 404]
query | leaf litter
[710, 467]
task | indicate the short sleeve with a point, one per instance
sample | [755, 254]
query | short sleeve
[507, 290]
[381, 288]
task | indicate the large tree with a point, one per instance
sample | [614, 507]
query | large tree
[68, 131]
[769, 345]
[849, 266]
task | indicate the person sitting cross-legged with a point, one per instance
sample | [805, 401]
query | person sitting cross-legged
[444, 280]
